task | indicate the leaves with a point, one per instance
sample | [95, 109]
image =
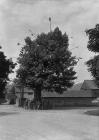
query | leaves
[93, 45]
[93, 66]
[93, 42]
[6, 67]
[47, 62]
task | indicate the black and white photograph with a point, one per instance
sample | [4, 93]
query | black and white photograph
[49, 69]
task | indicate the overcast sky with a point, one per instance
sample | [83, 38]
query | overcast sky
[17, 17]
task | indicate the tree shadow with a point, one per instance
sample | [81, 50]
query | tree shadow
[7, 113]
[94, 112]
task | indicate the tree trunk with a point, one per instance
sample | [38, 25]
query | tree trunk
[37, 97]
[22, 96]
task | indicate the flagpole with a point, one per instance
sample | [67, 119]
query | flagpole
[50, 23]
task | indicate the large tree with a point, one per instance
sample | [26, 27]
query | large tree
[93, 46]
[46, 63]
[6, 67]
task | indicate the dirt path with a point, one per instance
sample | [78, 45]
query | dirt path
[19, 124]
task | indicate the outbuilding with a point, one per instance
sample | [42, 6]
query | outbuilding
[53, 100]
[23, 94]
[90, 86]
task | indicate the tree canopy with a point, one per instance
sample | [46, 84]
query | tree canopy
[93, 66]
[93, 42]
[6, 67]
[93, 45]
[46, 62]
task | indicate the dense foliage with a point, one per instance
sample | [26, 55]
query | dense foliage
[93, 42]
[6, 67]
[93, 45]
[46, 63]
[93, 67]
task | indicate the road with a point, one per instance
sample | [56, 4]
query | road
[70, 124]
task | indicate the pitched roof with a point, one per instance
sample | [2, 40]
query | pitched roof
[80, 93]
[89, 84]
[76, 86]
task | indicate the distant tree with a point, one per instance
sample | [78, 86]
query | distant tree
[46, 63]
[6, 67]
[93, 45]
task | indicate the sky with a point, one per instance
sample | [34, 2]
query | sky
[19, 17]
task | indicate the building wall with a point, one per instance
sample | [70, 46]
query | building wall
[26, 92]
[29, 96]
[52, 103]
